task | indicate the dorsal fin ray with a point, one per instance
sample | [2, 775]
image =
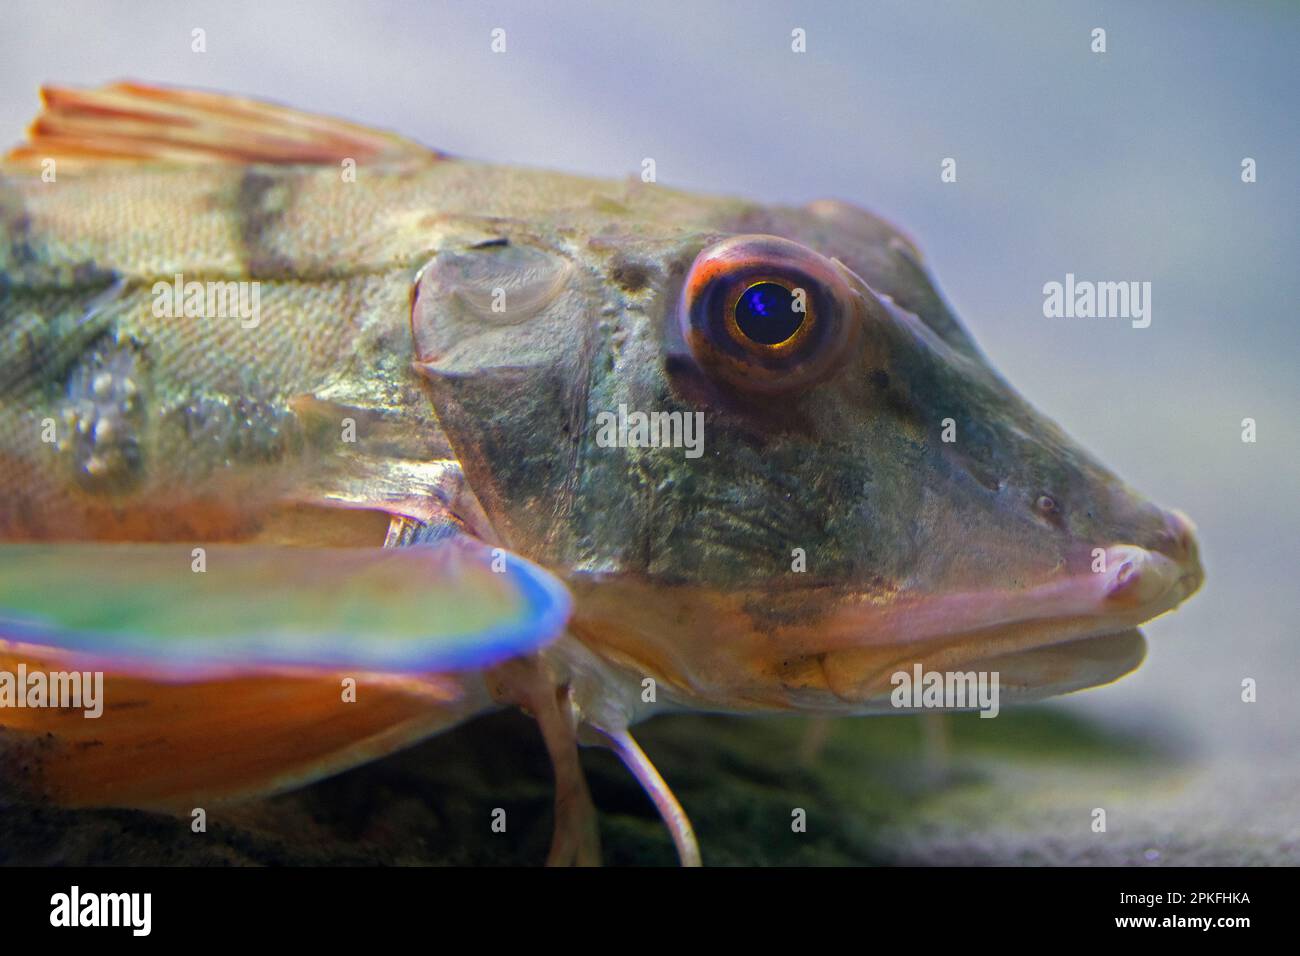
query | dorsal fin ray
[133, 122]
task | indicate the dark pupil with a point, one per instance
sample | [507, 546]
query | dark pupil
[766, 315]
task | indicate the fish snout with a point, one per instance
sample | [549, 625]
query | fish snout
[1166, 573]
[1183, 549]
[1178, 540]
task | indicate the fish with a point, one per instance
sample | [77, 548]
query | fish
[316, 441]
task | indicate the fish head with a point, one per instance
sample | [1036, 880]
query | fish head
[775, 469]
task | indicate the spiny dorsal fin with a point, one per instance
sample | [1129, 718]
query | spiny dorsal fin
[136, 123]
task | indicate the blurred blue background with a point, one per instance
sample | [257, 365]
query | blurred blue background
[1124, 165]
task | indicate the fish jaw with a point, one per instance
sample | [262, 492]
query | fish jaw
[1044, 639]
[1131, 586]
[835, 651]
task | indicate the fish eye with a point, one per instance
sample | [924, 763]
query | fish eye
[766, 314]
[769, 313]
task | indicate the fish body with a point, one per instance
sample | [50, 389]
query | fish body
[769, 465]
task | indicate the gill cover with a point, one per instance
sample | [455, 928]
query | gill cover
[503, 335]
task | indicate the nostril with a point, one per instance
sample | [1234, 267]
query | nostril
[1049, 508]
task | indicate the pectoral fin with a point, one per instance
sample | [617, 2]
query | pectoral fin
[176, 613]
[271, 668]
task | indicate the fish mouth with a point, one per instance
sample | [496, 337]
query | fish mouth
[836, 650]
[1072, 632]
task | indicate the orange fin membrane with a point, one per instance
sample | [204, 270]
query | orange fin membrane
[174, 747]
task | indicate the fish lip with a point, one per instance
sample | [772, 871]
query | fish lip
[1135, 586]
[963, 631]
[871, 692]
[1096, 637]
